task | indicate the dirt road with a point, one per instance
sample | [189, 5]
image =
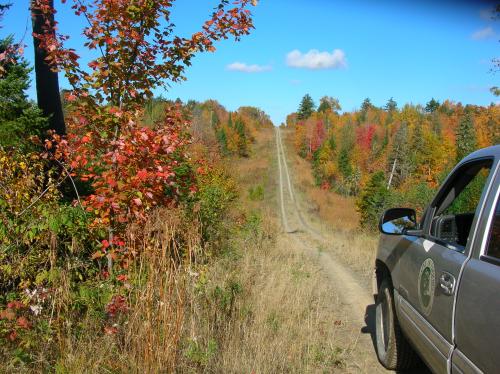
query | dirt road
[299, 234]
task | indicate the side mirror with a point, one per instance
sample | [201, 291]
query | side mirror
[397, 221]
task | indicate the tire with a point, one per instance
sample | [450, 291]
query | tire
[393, 350]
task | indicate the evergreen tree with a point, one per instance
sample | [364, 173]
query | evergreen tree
[365, 107]
[222, 138]
[373, 201]
[432, 106]
[344, 162]
[306, 108]
[347, 140]
[465, 137]
[214, 119]
[230, 121]
[19, 119]
[242, 139]
[391, 105]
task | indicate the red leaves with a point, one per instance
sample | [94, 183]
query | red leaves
[15, 305]
[122, 278]
[7, 314]
[110, 330]
[130, 169]
[23, 323]
[138, 49]
[117, 305]
[365, 136]
[12, 336]
[142, 174]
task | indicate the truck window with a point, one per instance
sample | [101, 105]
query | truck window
[457, 204]
[493, 243]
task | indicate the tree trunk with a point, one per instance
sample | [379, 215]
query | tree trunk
[47, 82]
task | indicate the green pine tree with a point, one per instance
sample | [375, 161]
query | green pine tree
[365, 107]
[465, 137]
[242, 138]
[391, 105]
[19, 118]
[373, 201]
[432, 106]
[222, 139]
[306, 108]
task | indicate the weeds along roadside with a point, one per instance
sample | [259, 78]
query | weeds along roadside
[263, 305]
[151, 316]
[211, 291]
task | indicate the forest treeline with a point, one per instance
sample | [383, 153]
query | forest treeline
[389, 155]
[221, 131]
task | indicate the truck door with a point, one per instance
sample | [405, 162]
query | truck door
[431, 265]
[477, 322]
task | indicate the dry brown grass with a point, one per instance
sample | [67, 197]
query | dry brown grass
[286, 315]
[260, 306]
[286, 318]
[150, 333]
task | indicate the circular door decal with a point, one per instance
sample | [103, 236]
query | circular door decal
[426, 284]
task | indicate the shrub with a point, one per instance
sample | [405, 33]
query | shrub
[217, 191]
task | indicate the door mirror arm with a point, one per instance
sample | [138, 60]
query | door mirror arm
[418, 233]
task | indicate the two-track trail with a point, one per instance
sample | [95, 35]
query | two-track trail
[356, 297]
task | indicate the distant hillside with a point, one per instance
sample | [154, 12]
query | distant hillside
[387, 156]
[215, 131]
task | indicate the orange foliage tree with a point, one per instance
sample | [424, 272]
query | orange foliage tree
[130, 168]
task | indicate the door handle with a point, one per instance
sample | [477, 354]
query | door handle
[447, 283]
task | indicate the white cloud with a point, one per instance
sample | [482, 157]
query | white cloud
[245, 68]
[316, 60]
[485, 33]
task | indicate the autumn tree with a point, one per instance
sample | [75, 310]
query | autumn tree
[306, 107]
[131, 168]
[399, 163]
[329, 104]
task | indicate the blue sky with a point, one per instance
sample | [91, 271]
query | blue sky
[409, 50]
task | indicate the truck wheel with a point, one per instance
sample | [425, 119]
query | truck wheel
[393, 350]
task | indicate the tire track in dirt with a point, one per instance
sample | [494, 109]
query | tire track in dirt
[354, 296]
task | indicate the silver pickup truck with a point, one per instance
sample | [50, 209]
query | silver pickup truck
[437, 281]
